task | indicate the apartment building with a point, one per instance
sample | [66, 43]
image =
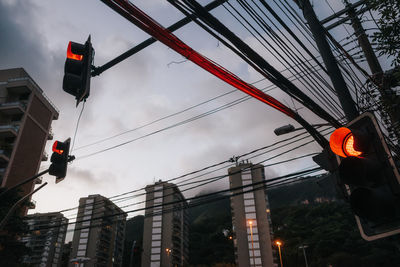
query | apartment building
[45, 239]
[166, 228]
[250, 216]
[26, 115]
[99, 233]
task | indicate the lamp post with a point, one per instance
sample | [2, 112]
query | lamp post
[279, 243]
[304, 253]
[168, 250]
[252, 242]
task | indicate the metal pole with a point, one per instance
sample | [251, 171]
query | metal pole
[5, 219]
[24, 182]
[337, 79]
[304, 253]
[98, 70]
[280, 254]
[389, 99]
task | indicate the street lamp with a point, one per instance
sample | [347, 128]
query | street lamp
[304, 253]
[252, 242]
[290, 128]
[279, 243]
[168, 250]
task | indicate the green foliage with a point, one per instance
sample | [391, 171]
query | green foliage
[388, 36]
[11, 249]
[208, 246]
[329, 230]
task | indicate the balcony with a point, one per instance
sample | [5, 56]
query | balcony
[4, 156]
[9, 130]
[13, 108]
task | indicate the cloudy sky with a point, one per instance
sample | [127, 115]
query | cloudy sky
[150, 85]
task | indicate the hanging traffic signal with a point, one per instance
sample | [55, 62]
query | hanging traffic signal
[369, 176]
[77, 70]
[59, 159]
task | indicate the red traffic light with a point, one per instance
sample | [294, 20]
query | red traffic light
[58, 148]
[72, 55]
[342, 143]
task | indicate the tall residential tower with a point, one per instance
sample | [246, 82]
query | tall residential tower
[250, 216]
[166, 229]
[99, 233]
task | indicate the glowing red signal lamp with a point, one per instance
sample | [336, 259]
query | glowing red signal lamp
[57, 149]
[342, 143]
[72, 55]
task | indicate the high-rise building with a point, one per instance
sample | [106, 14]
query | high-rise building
[166, 228]
[99, 233]
[26, 115]
[250, 216]
[45, 239]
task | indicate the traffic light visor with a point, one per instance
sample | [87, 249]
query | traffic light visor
[71, 55]
[58, 148]
[342, 143]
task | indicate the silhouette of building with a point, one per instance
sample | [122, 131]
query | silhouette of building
[26, 115]
[166, 228]
[99, 233]
[252, 232]
[45, 239]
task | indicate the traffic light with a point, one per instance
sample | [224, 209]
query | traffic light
[77, 70]
[59, 159]
[368, 176]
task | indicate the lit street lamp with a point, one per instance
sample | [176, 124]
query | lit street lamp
[279, 243]
[252, 243]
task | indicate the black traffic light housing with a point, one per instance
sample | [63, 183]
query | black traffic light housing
[77, 70]
[369, 177]
[59, 159]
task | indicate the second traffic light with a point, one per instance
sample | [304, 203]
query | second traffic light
[77, 70]
[369, 176]
[59, 159]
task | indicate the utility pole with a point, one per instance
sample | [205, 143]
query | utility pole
[389, 98]
[335, 75]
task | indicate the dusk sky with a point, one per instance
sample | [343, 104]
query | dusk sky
[150, 85]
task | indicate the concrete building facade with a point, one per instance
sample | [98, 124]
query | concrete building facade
[45, 239]
[26, 115]
[250, 216]
[99, 233]
[166, 227]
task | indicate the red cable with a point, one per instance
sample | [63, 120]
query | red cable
[147, 24]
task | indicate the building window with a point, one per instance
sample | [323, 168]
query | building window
[81, 253]
[156, 243]
[157, 230]
[248, 196]
[249, 202]
[157, 218]
[249, 209]
[156, 237]
[156, 224]
[155, 257]
[156, 250]
[84, 234]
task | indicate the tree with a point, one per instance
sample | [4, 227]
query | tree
[12, 249]
[387, 37]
